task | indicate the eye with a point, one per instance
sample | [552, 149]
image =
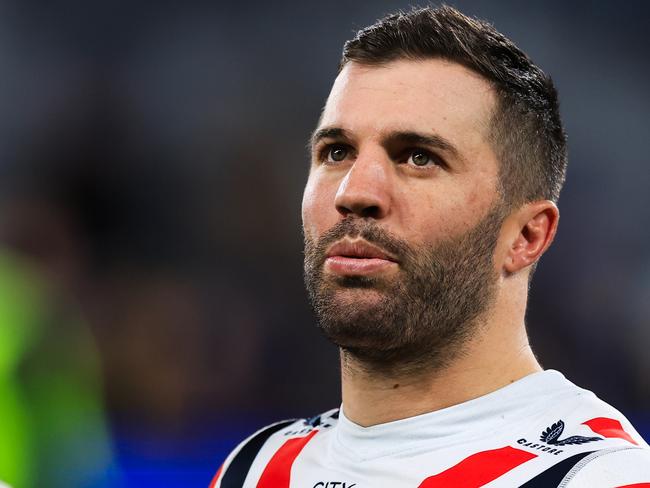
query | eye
[336, 153]
[421, 158]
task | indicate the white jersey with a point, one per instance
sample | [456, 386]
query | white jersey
[539, 432]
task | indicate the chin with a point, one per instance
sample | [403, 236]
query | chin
[356, 315]
[358, 299]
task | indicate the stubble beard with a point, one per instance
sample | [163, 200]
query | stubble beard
[417, 320]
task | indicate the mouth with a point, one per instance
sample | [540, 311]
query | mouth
[358, 258]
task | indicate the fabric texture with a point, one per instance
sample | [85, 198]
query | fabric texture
[540, 431]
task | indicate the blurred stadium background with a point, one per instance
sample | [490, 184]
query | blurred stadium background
[152, 311]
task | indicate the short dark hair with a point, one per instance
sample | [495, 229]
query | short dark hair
[526, 129]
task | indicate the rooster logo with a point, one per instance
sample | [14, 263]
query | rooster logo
[551, 436]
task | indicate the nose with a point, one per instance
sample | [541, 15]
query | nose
[365, 189]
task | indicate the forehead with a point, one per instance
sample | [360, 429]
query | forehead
[432, 95]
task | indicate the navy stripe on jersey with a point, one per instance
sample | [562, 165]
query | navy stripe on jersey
[554, 475]
[237, 470]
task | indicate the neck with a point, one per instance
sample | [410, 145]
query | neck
[496, 356]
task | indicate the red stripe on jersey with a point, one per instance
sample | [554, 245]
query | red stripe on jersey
[636, 485]
[479, 469]
[609, 428]
[277, 473]
[213, 483]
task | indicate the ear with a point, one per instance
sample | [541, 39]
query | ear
[534, 228]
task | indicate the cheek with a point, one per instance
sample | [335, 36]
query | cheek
[435, 215]
[318, 210]
[430, 212]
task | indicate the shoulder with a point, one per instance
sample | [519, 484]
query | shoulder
[609, 468]
[593, 443]
[265, 443]
[585, 414]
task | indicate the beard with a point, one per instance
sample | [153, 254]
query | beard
[418, 319]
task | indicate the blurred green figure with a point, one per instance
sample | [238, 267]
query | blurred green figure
[52, 425]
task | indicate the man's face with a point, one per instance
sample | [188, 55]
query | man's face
[400, 213]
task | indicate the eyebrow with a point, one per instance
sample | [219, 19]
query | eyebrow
[327, 133]
[420, 139]
[403, 137]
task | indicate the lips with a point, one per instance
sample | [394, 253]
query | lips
[358, 257]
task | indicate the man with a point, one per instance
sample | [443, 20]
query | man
[436, 165]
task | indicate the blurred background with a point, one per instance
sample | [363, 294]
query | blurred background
[152, 160]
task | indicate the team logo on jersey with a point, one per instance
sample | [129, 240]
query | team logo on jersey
[551, 442]
[552, 436]
[311, 423]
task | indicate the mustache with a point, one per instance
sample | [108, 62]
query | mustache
[366, 229]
